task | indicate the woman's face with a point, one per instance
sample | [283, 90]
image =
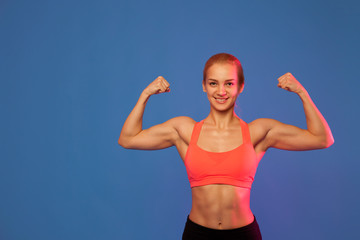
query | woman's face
[222, 85]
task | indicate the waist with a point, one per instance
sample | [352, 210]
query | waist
[221, 206]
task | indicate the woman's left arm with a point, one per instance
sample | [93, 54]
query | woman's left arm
[288, 137]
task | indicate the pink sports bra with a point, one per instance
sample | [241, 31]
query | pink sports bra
[235, 167]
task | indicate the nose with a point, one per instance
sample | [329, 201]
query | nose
[221, 90]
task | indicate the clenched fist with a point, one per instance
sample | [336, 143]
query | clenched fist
[288, 82]
[159, 85]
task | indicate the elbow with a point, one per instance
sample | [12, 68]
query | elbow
[330, 141]
[327, 142]
[120, 142]
[124, 143]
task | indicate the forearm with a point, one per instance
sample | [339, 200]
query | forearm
[316, 123]
[133, 123]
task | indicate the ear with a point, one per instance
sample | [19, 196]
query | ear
[203, 85]
[241, 89]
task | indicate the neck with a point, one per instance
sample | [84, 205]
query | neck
[221, 120]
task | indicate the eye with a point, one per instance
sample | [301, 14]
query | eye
[230, 83]
[212, 83]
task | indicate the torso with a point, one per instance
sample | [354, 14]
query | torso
[218, 206]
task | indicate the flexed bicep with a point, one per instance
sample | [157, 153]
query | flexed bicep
[289, 137]
[156, 137]
[160, 136]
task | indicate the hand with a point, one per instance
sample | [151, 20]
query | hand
[159, 85]
[289, 83]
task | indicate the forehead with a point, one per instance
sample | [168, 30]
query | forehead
[222, 71]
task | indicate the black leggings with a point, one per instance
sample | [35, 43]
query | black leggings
[194, 231]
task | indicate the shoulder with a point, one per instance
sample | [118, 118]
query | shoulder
[178, 122]
[262, 124]
[183, 126]
[259, 128]
[182, 119]
[182, 123]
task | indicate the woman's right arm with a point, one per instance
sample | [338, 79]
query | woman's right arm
[156, 137]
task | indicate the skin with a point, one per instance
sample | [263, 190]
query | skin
[221, 206]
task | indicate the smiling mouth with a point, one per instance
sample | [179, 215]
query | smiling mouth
[221, 100]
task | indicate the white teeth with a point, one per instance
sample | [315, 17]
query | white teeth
[220, 100]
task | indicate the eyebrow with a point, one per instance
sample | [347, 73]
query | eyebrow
[225, 80]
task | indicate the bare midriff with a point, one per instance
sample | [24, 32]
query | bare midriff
[221, 206]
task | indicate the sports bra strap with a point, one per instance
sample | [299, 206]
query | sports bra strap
[245, 131]
[195, 133]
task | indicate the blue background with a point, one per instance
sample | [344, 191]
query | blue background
[71, 71]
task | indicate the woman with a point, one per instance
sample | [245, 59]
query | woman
[221, 152]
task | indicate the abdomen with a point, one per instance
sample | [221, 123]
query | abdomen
[221, 206]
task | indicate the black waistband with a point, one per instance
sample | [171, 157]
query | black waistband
[248, 227]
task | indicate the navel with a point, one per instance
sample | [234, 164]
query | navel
[219, 223]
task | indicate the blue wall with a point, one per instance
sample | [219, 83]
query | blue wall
[71, 71]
